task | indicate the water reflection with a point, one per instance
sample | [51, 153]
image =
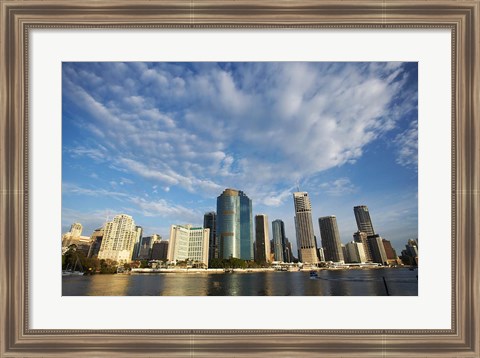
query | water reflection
[329, 283]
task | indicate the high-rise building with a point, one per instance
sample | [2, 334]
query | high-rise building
[96, 240]
[288, 251]
[234, 225]
[355, 252]
[262, 240]
[332, 247]
[279, 243]
[209, 222]
[364, 222]
[119, 239]
[188, 243]
[76, 229]
[160, 250]
[145, 247]
[392, 257]
[138, 238]
[377, 249]
[361, 237]
[304, 228]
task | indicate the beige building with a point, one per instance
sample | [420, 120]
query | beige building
[262, 240]
[307, 248]
[187, 242]
[119, 239]
[356, 252]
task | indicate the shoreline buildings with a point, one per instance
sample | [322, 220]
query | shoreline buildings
[119, 239]
[307, 248]
[332, 247]
[234, 225]
[188, 243]
[262, 240]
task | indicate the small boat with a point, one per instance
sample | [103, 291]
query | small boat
[313, 274]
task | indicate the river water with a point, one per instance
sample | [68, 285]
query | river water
[367, 282]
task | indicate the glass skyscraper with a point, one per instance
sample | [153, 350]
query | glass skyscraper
[209, 222]
[332, 247]
[279, 244]
[234, 225]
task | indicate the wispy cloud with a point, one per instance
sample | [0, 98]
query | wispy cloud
[407, 146]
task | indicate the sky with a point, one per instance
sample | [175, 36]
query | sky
[161, 141]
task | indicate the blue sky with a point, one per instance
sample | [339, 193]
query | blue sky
[160, 142]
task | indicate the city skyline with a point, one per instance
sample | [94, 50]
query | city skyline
[160, 141]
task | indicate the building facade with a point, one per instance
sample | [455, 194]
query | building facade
[145, 246]
[234, 225]
[160, 250]
[119, 239]
[262, 240]
[355, 252]
[361, 237]
[307, 249]
[279, 241]
[332, 247]
[188, 243]
[96, 240]
[364, 222]
[210, 222]
[377, 249]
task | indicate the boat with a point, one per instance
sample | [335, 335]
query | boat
[313, 274]
[73, 271]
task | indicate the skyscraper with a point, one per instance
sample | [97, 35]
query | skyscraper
[304, 228]
[209, 222]
[356, 252]
[279, 243]
[119, 239]
[187, 242]
[377, 249]
[234, 225]
[361, 237]
[332, 247]
[262, 240]
[364, 223]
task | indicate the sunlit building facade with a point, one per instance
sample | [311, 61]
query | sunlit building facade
[188, 243]
[119, 239]
[307, 249]
[262, 240]
[234, 225]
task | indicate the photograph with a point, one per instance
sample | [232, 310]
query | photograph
[239, 179]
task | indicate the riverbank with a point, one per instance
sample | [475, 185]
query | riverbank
[254, 270]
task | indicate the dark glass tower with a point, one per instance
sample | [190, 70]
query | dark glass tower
[210, 222]
[332, 247]
[364, 223]
[279, 244]
[234, 225]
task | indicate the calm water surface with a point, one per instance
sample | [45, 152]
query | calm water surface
[400, 282]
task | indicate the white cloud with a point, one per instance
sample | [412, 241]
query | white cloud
[260, 127]
[407, 146]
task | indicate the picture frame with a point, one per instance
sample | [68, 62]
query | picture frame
[19, 17]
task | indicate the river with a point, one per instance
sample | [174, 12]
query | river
[366, 282]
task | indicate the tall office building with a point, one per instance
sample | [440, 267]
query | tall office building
[209, 222]
[145, 247]
[304, 228]
[119, 239]
[279, 243]
[234, 225]
[187, 242]
[356, 252]
[364, 222]
[361, 237]
[262, 240]
[96, 240]
[332, 247]
[160, 250]
[377, 249]
[76, 229]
